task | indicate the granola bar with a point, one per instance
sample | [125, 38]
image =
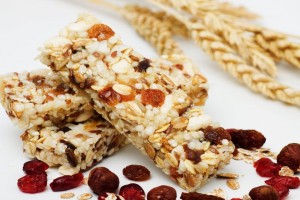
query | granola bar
[74, 147]
[156, 109]
[41, 98]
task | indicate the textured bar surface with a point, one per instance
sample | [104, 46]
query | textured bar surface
[41, 98]
[74, 147]
[156, 108]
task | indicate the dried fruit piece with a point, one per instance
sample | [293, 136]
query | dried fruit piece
[247, 139]
[290, 156]
[216, 135]
[198, 196]
[290, 182]
[143, 65]
[132, 192]
[102, 180]
[35, 167]
[266, 168]
[153, 97]
[101, 32]
[66, 182]
[264, 192]
[136, 173]
[283, 191]
[162, 192]
[33, 183]
[109, 96]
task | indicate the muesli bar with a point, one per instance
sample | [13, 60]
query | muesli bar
[41, 98]
[155, 109]
[75, 146]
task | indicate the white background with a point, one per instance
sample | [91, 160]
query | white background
[25, 25]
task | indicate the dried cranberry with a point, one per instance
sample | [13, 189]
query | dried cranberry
[103, 180]
[162, 192]
[282, 190]
[35, 167]
[153, 97]
[136, 173]
[216, 135]
[290, 182]
[66, 182]
[33, 183]
[266, 168]
[198, 196]
[132, 192]
[247, 139]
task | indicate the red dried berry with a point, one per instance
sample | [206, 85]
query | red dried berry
[198, 196]
[282, 190]
[263, 192]
[35, 167]
[154, 97]
[247, 139]
[33, 183]
[162, 192]
[266, 168]
[132, 192]
[102, 180]
[216, 135]
[290, 156]
[136, 173]
[66, 182]
[290, 182]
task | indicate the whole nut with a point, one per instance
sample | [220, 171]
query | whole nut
[264, 192]
[247, 139]
[290, 156]
[103, 180]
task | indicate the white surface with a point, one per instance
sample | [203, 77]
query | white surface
[25, 25]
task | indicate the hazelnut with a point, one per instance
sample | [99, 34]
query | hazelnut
[264, 192]
[290, 156]
[103, 180]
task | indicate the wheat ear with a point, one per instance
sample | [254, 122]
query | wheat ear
[230, 62]
[241, 43]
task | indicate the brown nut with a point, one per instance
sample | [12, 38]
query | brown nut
[103, 180]
[198, 196]
[162, 192]
[247, 139]
[290, 156]
[264, 192]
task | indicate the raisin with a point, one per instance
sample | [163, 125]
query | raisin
[153, 97]
[290, 156]
[143, 65]
[198, 196]
[264, 192]
[193, 155]
[35, 167]
[33, 183]
[136, 173]
[290, 182]
[162, 192]
[216, 135]
[283, 191]
[103, 180]
[247, 139]
[132, 192]
[266, 168]
[109, 96]
[101, 32]
[66, 182]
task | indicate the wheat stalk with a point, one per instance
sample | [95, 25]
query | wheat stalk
[230, 62]
[241, 43]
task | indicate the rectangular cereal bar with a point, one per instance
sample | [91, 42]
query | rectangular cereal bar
[75, 146]
[156, 109]
[41, 98]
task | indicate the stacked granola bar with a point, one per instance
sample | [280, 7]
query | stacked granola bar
[157, 109]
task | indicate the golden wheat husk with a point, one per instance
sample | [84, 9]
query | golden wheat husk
[232, 63]
[244, 45]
